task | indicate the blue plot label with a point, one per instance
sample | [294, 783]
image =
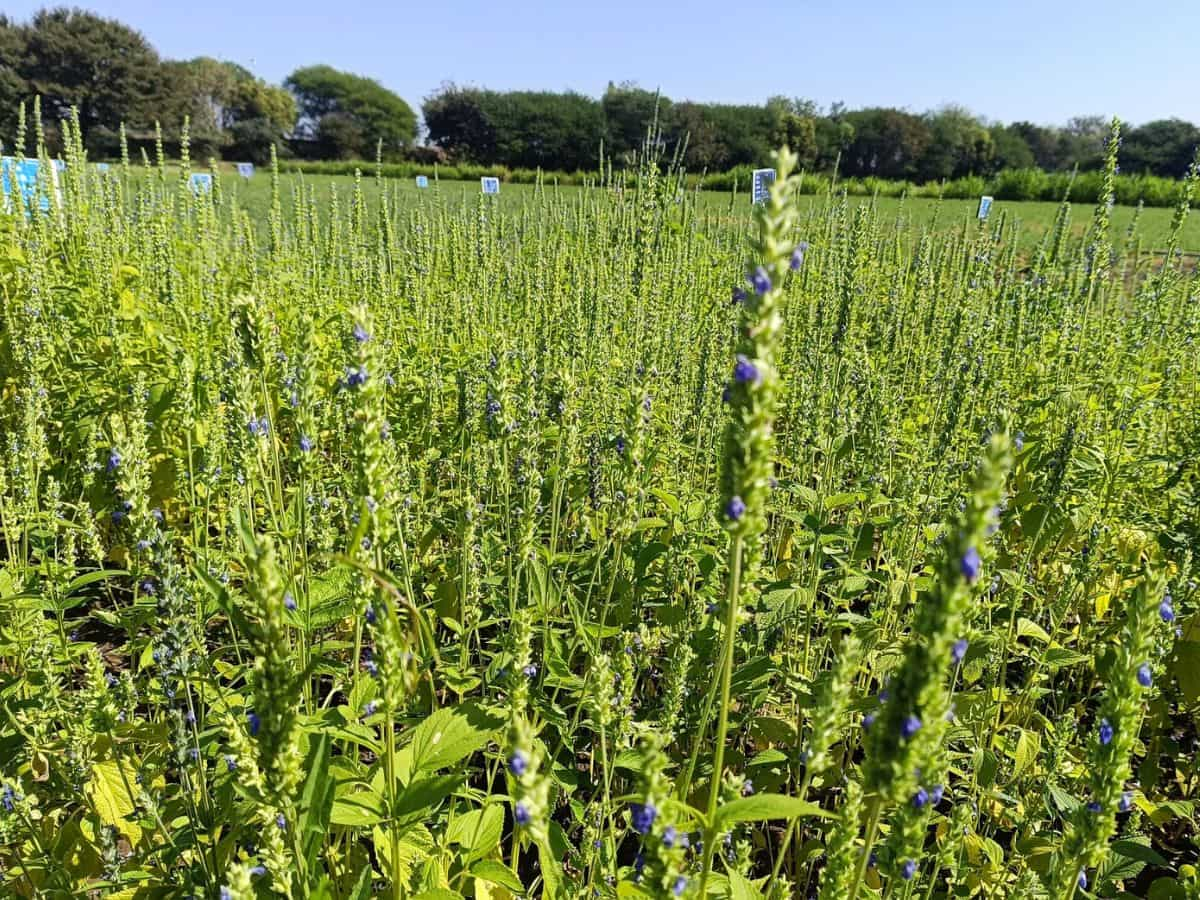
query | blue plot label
[985, 207]
[201, 182]
[490, 185]
[422, 181]
[101, 167]
[23, 173]
[760, 185]
[245, 169]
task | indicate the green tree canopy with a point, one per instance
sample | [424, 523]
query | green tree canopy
[1163, 147]
[366, 112]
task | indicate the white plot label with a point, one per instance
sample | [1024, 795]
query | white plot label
[490, 185]
[985, 207]
[246, 170]
[760, 185]
[201, 182]
[422, 181]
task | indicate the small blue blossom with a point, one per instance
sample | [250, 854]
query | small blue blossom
[1166, 610]
[369, 614]
[760, 280]
[797, 259]
[306, 444]
[744, 371]
[669, 836]
[642, 816]
[908, 870]
[619, 445]
[1106, 732]
[360, 334]
[735, 508]
[910, 726]
[1082, 881]
[289, 602]
[226, 894]
[281, 822]
[971, 564]
[370, 708]
[530, 671]
[254, 722]
[1145, 675]
[921, 798]
[747, 788]
[356, 377]
[518, 763]
[1093, 807]
[959, 650]
[868, 720]
[258, 871]
[114, 460]
[522, 814]
[680, 885]
[935, 795]
[1126, 802]
[739, 296]
[10, 798]
[1019, 441]
[231, 764]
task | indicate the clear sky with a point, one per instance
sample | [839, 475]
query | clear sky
[1042, 60]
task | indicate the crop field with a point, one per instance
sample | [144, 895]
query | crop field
[360, 542]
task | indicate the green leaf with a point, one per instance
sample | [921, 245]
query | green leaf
[1028, 628]
[741, 888]
[358, 809]
[478, 831]
[1139, 851]
[448, 736]
[498, 873]
[763, 807]
[422, 797]
[316, 799]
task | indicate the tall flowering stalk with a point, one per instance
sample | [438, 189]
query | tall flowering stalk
[753, 393]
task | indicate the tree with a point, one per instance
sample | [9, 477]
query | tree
[1012, 152]
[105, 69]
[1163, 147]
[538, 129]
[958, 145]
[795, 126]
[456, 122]
[366, 113]
[13, 87]
[629, 114]
[887, 143]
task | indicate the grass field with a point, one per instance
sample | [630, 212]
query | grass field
[1032, 220]
[593, 544]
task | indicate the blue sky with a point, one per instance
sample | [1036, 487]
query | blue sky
[1006, 59]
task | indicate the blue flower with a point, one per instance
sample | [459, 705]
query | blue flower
[668, 836]
[680, 885]
[518, 763]
[619, 445]
[1106, 732]
[798, 256]
[959, 650]
[747, 788]
[281, 821]
[356, 377]
[971, 564]
[910, 726]
[369, 614]
[908, 870]
[760, 280]
[1166, 610]
[530, 671]
[230, 764]
[114, 459]
[226, 894]
[360, 334]
[744, 371]
[642, 816]
[522, 814]
[10, 798]
[1126, 803]
[1145, 675]
[935, 795]
[1019, 441]
[739, 296]
[735, 508]
[147, 587]
[920, 798]
[289, 602]
[306, 444]
[868, 720]
[258, 871]
[1082, 880]
[370, 708]
[254, 722]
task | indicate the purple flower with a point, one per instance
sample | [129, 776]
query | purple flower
[619, 445]
[1166, 610]
[254, 722]
[959, 650]
[642, 816]
[798, 256]
[735, 508]
[680, 885]
[226, 894]
[289, 602]
[668, 836]
[761, 281]
[747, 788]
[306, 444]
[356, 377]
[231, 764]
[258, 871]
[908, 870]
[970, 565]
[518, 763]
[369, 614]
[370, 708]
[739, 296]
[920, 798]
[522, 814]
[114, 460]
[360, 334]
[868, 720]
[281, 822]
[9, 798]
[147, 587]
[530, 671]
[1126, 803]
[1019, 441]
[744, 371]
[1082, 880]
[935, 795]
[1106, 732]
[910, 726]
[1145, 675]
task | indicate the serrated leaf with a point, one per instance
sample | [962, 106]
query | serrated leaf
[448, 736]
[763, 807]
[498, 873]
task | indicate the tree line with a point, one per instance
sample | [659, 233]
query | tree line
[112, 75]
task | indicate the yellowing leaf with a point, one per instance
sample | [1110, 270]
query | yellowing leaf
[109, 790]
